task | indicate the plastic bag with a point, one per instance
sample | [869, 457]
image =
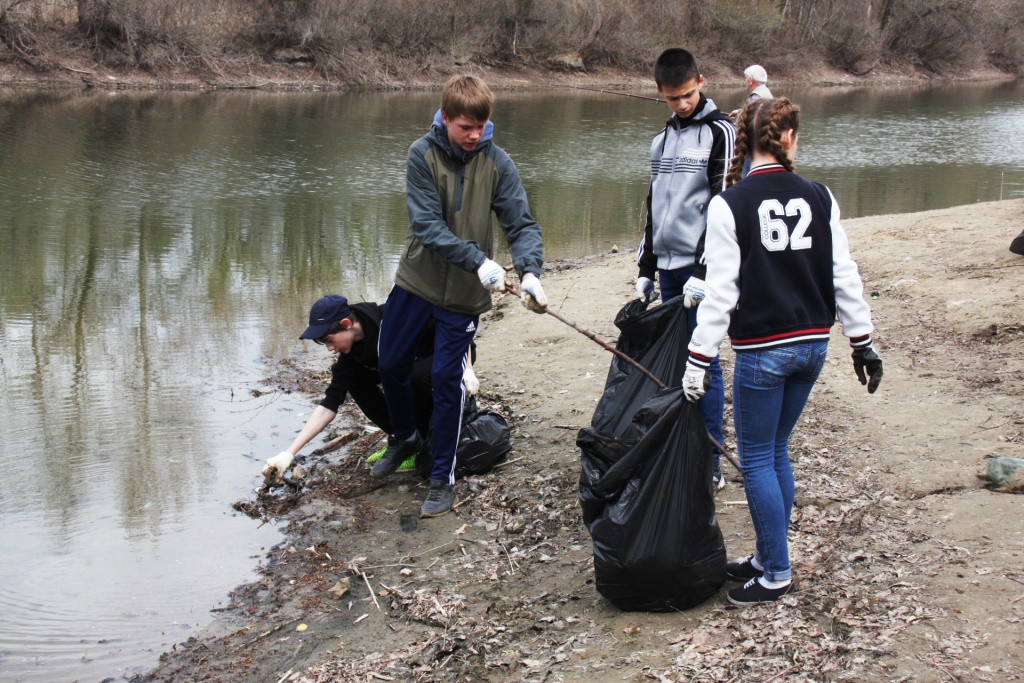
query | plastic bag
[1005, 474]
[484, 441]
[645, 481]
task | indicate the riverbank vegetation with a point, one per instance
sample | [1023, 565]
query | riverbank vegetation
[385, 43]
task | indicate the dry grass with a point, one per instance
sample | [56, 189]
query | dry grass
[373, 42]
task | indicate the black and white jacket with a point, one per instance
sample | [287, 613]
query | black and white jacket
[689, 160]
[779, 268]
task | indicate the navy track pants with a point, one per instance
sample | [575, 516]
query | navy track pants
[405, 317]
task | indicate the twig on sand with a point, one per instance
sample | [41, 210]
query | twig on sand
[372, 594]
[783, 673]
[509, 462]
[273, 630]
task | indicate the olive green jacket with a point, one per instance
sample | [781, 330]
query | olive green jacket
[451, 195]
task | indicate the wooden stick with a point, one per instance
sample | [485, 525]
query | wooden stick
[619, 354]
[372, 594]
[590, 335]
[336, 443]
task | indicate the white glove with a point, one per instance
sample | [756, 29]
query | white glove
[694, 382]
[533, 295]
[275, 468]
[470, 380]
[693, 292]
[492, 276]
[644, 288]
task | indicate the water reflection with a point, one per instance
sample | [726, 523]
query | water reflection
[155, 248]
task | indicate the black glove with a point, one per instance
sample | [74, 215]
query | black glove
[865, 357]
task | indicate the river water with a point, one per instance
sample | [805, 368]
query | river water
[158, 250]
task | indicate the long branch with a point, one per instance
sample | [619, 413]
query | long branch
[619, 354]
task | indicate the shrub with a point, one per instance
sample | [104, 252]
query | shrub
[931, 34]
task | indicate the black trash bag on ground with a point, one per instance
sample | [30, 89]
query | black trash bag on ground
[484, 441]
[645, 483]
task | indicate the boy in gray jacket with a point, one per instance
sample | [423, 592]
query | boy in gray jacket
[689, 160]
[456, 179]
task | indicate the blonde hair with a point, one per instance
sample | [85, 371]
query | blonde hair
[467, 96]
[759, 127]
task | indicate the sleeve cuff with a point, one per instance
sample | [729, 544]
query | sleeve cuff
[700, 361]
[860, 342]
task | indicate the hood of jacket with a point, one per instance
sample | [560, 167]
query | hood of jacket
[439, 136]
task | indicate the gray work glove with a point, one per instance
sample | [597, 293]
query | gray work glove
[695, 382]
[693, 292]
[492, 276]
[533, 295]
[273, 471]
[644, 289]
[471, 381]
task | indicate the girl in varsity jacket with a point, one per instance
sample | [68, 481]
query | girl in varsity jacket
[778, 272]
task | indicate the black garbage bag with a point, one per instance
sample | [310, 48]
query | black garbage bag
[484, 441]
[645, 482]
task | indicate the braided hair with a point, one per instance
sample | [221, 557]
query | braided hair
[759, 127]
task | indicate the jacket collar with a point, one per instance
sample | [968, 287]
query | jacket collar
[704, 112]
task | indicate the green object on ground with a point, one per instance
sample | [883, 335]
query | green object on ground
[409, 465]
[1006, 473]
[377, 456]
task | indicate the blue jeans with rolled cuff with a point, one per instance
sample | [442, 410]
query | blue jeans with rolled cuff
[770, 390]
[712, 403]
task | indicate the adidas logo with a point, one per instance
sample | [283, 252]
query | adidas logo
[471, 327]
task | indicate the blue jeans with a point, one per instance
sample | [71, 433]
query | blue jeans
[770, 389]
[712, 403]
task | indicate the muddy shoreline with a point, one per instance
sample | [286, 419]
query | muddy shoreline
[71, 74]
[907, 566]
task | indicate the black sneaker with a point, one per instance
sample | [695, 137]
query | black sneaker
[397, 453]
[743, 570]
[439, 500]
[754, 592]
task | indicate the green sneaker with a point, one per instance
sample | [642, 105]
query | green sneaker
[408, 465]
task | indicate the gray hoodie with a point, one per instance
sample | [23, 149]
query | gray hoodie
[689, 162]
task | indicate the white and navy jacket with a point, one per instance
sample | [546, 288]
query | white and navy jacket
[779, 268]
[689, 160]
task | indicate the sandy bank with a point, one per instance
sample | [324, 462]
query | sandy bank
[909, 568]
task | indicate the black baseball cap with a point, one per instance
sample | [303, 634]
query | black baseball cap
[324, 313]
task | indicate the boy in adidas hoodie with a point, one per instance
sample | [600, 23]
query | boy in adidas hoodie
[456, 178]
[689, 159]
